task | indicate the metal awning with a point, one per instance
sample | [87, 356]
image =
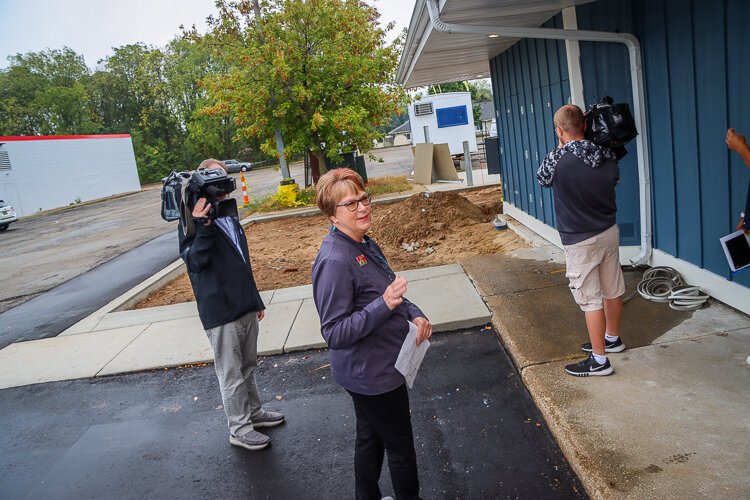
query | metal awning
[431, 56]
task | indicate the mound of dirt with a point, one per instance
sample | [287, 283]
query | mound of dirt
[427, 216]
[451, 227]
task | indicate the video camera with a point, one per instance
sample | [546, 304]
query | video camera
[212, 184]
[181, 191]
[610, 125]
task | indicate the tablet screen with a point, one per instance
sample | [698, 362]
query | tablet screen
[737, 250]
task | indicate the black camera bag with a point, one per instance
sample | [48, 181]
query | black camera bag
[610, 125]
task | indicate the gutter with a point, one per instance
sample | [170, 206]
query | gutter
[636, 76]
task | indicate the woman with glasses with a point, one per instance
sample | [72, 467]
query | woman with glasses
[364, 319]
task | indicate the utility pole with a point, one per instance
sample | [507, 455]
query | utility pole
[277, 132]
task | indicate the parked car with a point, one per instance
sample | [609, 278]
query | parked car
[7, 215]
[234, 166]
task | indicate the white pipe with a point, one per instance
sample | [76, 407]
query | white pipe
[573, 52]
[636, 76]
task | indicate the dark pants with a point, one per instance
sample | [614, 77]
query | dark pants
[384, 423]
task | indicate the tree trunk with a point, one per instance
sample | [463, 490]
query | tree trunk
[314, 170]
[321, 156]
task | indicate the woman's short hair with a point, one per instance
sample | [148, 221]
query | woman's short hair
[210, 162]
[334, 185]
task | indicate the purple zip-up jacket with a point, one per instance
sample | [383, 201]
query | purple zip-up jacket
[364, 336]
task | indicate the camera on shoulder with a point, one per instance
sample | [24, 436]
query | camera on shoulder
[214, 185]
[181, 191]
[610, 125]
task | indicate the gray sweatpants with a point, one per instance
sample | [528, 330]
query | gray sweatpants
[235, 348]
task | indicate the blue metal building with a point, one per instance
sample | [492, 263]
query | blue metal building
[692, 57]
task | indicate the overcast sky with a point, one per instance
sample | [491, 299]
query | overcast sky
[93, 27]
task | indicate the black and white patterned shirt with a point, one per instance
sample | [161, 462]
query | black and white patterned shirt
[583, 176]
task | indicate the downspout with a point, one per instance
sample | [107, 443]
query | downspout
[636, 76]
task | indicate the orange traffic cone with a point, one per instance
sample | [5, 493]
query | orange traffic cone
[245, 199]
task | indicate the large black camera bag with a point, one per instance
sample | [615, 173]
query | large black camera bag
[610, 125]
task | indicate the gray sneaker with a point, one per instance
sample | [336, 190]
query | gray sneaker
[253, 440]
[267, 419]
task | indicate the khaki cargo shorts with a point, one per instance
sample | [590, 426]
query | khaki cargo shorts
[593, 269]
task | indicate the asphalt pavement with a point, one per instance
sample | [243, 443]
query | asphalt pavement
[50, 313]
[162, 434]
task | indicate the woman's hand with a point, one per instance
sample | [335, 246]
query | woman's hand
[393, 294]
[424, 331]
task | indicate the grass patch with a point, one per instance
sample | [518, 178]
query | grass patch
[306, 197]
[389, 184]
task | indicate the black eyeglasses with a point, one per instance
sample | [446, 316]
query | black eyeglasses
[353, 205]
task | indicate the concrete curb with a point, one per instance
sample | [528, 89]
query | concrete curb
[128, 299]
[109, 343]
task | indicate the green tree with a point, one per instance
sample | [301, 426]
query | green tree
[320, 70]
[209, 128]
[136, 98]
[45, 93]
[154, 94]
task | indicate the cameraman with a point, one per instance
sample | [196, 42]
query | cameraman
[230, 308]
[583, 177]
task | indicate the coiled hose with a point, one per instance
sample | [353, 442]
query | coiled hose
[664, 284]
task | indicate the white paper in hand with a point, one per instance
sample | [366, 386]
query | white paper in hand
[411, 355]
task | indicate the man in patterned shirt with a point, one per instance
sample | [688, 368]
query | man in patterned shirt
[583, 177]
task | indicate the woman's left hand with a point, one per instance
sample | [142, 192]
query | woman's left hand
[424, 331]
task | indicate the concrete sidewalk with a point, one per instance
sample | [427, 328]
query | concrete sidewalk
[671, 422]
[126, 341]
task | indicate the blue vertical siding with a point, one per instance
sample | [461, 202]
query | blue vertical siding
[659, 112]
[697, 78]
[531, 83]
[710, 126]
[697, 85]
[605, 69]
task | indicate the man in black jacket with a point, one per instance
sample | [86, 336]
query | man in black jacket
[230, 308]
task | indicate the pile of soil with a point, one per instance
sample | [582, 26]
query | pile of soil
[428, 216]
[420, 231]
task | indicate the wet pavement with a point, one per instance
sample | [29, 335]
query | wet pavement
[163, 433]
[50, 313]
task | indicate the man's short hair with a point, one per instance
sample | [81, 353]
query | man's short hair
[211, 162]
[570, 119]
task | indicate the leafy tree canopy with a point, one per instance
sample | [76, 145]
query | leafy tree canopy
[151, 93]
[319, 70]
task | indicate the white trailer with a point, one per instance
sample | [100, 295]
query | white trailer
[444, 118]
[44, 172]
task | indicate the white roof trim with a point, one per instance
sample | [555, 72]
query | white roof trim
[430, 56]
